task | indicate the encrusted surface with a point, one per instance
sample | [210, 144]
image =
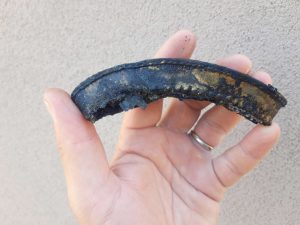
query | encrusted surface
[136, 84]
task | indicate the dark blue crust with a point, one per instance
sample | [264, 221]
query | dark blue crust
[272, 91]
[95, 100]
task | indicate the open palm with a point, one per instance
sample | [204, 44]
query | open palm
[158, 175]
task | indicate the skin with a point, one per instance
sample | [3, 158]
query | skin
[158, 175]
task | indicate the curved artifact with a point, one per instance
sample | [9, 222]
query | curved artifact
[133, 85]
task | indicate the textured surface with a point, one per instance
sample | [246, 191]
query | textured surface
[124, 87]
[57, 43]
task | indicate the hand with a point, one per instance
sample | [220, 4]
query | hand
[158, 174]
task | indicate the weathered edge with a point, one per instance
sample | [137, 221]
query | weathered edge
[187, 64]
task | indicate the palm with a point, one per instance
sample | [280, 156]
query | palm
[158, 175]
[160, 183]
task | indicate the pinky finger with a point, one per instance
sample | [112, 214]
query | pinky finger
[235, 162]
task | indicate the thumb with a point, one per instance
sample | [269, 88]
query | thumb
[82, 154]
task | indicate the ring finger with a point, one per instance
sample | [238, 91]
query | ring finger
[182, 115]
[217, 122]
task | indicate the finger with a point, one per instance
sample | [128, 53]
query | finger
[262, 76]
[218, 122]
[82, 154]
[182, 115]
[174, 153]
[230, 166]
[180, 45]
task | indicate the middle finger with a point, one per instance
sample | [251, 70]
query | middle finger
[217, 122]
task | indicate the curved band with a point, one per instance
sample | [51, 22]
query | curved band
[132, 85]
[199, 141]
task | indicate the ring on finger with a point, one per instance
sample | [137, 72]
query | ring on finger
[199, 141]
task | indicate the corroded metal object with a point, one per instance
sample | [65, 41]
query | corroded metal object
[133, 85]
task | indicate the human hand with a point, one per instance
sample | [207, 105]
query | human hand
[158, 174]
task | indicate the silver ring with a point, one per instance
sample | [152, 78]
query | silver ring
[199, 141]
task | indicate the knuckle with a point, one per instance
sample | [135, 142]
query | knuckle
[232, 166]
[215, 126]
[247, 152]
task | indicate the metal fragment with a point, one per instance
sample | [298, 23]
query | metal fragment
[133, 85]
